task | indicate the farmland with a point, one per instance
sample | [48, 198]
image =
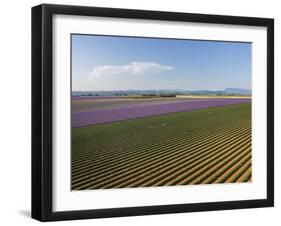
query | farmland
[127, 142]
[96, 111]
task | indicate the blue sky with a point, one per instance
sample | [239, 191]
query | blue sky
[120, 63]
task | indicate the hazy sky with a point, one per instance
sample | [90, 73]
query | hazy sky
[121, 63]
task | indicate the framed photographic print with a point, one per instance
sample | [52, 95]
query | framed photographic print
[145, 112]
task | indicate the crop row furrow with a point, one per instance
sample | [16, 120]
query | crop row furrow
[180, 150]
[165, 173]
[231, 170]
[124, 150]
[191, 171]
[103, 180]
[246, 175]
[137, 149]
[228, 162]
[98, 149]
[147, 152]
[235, 176]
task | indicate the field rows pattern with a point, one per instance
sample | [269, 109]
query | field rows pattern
[86, 118]
[219, 155]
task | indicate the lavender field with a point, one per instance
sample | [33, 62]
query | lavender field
[98, 110]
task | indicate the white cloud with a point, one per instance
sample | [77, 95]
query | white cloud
[135, 75]
[131, 69]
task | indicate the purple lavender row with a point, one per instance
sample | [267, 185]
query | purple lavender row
[93, 97]
[80, 119]
[131, 103]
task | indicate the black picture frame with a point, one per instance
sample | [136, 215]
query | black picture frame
[42, 111]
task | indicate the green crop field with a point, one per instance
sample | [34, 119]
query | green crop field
[206, 146]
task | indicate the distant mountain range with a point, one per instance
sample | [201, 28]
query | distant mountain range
[238, 91]
[227, 91]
